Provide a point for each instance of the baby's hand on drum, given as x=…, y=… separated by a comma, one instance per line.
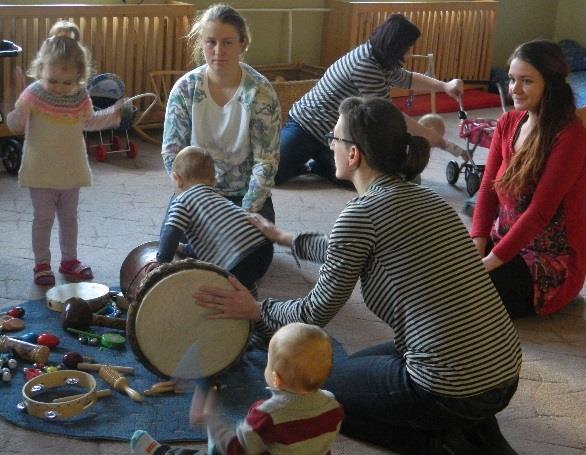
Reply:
x=236, y=303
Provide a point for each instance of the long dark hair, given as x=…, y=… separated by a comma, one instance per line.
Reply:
x=379, y=130
x=392, y=39
x=556, y=109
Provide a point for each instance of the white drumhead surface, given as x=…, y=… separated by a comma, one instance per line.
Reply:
x=174, y=335
x=56, y=296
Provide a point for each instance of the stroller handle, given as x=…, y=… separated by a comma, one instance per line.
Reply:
x=150, y=106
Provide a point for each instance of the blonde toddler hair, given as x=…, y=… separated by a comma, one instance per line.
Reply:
x=435, y=122
x=62, y=47
x=193, y=163
x=302, y=355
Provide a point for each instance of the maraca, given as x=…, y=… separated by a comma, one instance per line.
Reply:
x=75, y=361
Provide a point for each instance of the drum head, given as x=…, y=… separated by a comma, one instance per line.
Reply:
x=95, y=294
x=170, y=333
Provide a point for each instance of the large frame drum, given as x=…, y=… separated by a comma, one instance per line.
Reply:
x=168, y=332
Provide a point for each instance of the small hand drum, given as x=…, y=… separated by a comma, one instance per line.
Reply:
x=96, y=295
x=168, y=332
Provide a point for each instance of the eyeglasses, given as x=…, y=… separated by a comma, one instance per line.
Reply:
x=331, y=138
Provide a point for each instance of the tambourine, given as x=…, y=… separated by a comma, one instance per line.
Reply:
x=96, y=295
x=63, y=407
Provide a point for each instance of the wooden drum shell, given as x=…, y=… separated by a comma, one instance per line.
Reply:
x=167, y=331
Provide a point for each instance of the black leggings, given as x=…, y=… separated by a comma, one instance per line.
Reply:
x=254, y=265
x=514, y=284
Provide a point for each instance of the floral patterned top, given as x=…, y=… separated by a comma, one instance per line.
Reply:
x=547, y=226
x=242, y=136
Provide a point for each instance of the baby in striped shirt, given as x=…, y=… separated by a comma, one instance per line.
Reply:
x=299, y=417
x=215, y=229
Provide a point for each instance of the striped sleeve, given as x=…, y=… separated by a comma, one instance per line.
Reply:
x=348, y=249
x=357, y=73
x=420, y=273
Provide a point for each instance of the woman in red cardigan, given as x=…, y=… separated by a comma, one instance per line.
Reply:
x=530, y=219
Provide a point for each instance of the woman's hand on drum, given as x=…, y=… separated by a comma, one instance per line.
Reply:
x=270, y=231
x=236, y=303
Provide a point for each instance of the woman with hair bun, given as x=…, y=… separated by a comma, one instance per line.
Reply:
x=370, y=69
x=455, y=358
x=530, y=217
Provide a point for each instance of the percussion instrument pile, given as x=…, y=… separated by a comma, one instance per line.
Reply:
x=168, y=332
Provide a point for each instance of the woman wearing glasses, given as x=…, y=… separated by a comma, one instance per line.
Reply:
x=370, y=69
x=455, y=359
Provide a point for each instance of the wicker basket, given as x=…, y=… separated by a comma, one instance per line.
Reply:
x=291, y=81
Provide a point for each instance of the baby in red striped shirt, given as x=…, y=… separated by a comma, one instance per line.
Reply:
x=299, y=417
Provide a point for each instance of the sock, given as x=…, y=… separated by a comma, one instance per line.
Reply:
x=142, y=443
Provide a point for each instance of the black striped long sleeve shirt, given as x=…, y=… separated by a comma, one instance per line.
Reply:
x=420, y=273
x=216, y=229
x=357, y=73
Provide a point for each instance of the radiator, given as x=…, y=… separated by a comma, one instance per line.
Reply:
x=127, y=40
x=459, y=34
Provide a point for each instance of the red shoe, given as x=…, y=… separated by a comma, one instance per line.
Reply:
x=75, y=271
x=43, y=276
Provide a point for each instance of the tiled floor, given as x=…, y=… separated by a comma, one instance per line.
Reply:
x=124, y=208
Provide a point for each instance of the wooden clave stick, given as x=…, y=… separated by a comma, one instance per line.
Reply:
x=119, y=382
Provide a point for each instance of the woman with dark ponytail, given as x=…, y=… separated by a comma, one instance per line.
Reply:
x=530, y=218
x=455, y=358
x=370, y=69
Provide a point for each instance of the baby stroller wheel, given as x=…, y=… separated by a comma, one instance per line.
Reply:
x=132, y=150
x=472, y=182
x=101, y=153
x=452, y=172
x=12, y=155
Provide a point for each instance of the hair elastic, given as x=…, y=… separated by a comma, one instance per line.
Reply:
x=408, y=136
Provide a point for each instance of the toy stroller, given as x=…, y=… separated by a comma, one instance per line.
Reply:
x=477, y=132
x=105, y=90
x=10, y=145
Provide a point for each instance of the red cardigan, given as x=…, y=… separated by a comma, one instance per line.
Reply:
x=548, y=225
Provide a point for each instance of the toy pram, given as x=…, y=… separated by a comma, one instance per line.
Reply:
x=477, y=132
x=105, y=90
x=10, y=145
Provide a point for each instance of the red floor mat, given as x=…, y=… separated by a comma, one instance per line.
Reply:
x=473, y=99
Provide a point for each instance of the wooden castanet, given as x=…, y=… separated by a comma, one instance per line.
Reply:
x=78, y=315
x=119, y=382
x=34, y=353
x=10, y=324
